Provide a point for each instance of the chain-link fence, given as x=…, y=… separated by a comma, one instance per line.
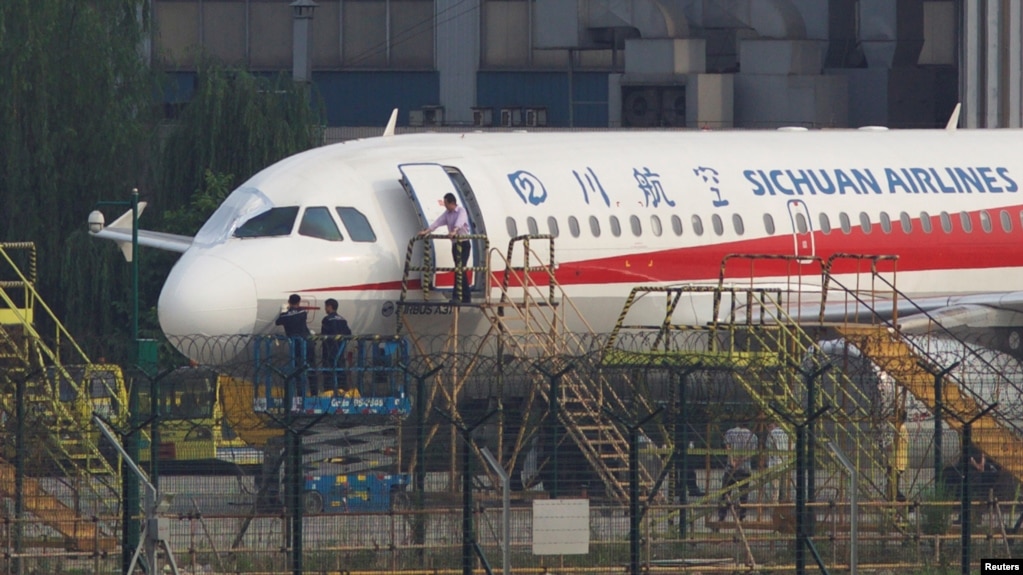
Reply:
x=387, y=454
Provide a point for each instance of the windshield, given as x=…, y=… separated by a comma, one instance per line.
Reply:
x=274, y=222
x=240, y=206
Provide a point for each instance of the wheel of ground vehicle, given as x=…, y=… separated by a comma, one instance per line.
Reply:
x=312, y=502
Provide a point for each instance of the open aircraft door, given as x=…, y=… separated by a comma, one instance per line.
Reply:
x=802, y=231
x=426, y=185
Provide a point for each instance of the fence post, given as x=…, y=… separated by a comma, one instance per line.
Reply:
x=419, y=479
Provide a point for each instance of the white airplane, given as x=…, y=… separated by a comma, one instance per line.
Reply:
x=627, y=209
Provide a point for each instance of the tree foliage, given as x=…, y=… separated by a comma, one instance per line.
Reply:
x=236, y=123
x=75, y=96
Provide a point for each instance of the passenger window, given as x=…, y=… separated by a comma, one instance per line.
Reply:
x=740, y=227
x=616, y=228
x=1006, y=221
x=637, y=229
x=531, y=225
x=825, y=224
x=552, y=225
x=676, y=225
x=985, y=221
x=843, y=220
x=273, y=222
x=719, y=226
x=801, y=223
x=697, y=225
x=946, y=222
x=769, y=224
x=907, y=223
x=595, y=226
x=358, y=226
x=513, y=228
x=865, y=222
x=886, y=223
x=655, y=225
x=317, y=223
x=966, y=221
x=925, y=222
x=573, y=226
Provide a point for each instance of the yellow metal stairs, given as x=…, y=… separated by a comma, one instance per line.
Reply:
x=900, y=361
x=529, y=316
x=58, y=411
x=765, y=350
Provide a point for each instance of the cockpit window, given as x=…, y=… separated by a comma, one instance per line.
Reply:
x=274, y=222
x=317, y=223
x=240, y=206
x=358, y=226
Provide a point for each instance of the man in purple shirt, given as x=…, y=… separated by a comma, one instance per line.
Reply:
x=457, y=221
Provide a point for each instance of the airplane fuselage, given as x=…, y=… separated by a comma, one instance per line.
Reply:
x=628, y=208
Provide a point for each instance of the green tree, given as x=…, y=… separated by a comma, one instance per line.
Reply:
x=75, y=98
x=236, y=123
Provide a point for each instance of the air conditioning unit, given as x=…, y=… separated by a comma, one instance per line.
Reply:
x=673, y=107
x=433, y=115
x=415, y=117
x=536, y=117
x=511, y=117
x=641, y=106
x=482, y=116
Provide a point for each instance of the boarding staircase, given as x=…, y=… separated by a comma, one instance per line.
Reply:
x=527, y=311
x=911, y=367
x=55, y=413
x=766, y=352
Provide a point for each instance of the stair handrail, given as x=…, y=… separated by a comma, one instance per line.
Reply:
x=1002, y=418
x=30, y=288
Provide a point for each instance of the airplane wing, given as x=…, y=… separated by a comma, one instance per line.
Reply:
x=119, y=231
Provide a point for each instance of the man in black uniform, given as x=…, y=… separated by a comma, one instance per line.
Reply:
x=332, y=326
x=293, y=319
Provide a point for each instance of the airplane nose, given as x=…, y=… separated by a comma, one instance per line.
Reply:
x=207, y=296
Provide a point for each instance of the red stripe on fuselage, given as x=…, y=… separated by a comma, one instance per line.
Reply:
x=917, y=251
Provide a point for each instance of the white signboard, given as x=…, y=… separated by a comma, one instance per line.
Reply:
x=561, y=527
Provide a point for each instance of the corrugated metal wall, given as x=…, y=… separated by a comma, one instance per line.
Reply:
x=367, y=98
x=548, y=90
